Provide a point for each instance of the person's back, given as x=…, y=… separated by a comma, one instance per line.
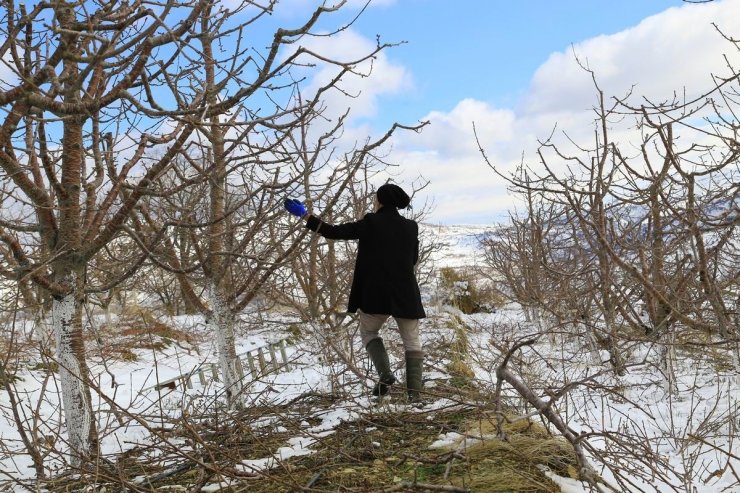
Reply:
x=397, y=239
x=384, y=280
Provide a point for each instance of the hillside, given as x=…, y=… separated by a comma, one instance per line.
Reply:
x=459, y=244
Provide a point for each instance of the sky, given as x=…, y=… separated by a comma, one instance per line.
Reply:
x=509, y=66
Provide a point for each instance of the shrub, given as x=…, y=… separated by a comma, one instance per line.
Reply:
x=458, y=368
x=462, y=292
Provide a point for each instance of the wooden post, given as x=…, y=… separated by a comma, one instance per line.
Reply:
x=283, y=345
x=250, y=360
x=214, y=372
x=202, y=377
x=273, y=358
x=261, y=357
x=239, y=368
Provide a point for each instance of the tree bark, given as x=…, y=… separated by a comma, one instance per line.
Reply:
x=66, y=315
x=222, y=322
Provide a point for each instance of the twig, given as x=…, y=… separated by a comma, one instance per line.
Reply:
x=729, y=454
x=406, y=485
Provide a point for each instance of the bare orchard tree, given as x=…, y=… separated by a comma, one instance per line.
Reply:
x=321, y=270
x=541, y=262
x=248, y=162
x=518, y=253
x=658, y=226
x=85, y=107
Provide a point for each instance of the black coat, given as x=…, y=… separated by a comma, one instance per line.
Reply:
x=384, y=281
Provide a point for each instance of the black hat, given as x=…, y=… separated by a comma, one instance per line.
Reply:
x=393, y=195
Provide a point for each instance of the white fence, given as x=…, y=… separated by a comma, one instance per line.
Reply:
x=271, y=357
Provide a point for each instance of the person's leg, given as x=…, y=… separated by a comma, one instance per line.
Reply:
x=370, y=325
x=409, y=329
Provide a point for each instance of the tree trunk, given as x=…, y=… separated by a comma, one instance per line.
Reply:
x=592, y=345
x=615, y=353
x=537, y=317
x=736, y=360
x=66, y=315
x=221, y=317
x=313, y=279
x=527, y=314
x=667, y=357
x=222, y=322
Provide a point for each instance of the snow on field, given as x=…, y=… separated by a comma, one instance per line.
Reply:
x=460, y=245
x=681, y=428
x=691, y=431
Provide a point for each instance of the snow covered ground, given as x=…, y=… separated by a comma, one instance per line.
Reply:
x=693, y=431
x=460, y=245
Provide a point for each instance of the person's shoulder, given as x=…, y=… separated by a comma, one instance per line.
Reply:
x=369, y=216
x=411, y=224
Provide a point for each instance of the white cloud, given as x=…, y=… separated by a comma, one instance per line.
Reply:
x=371, y=80
x=358, y=91
x=676, y=50
x=495, y=124
x=462, y=187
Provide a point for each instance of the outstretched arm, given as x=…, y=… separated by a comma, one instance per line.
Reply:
x=346, y=231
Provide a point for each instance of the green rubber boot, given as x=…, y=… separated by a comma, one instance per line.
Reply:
x=414, y=382
x=379, y=357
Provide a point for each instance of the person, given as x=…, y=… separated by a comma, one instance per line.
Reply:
x=384, y=282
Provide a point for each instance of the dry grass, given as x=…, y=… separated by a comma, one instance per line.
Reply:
x=384, y=448
x=137, y=329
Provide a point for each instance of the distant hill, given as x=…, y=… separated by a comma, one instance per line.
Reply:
x=460, y=244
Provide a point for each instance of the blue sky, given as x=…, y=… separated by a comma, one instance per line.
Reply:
x=506, y=65
x=486, y=49
x=509, y=66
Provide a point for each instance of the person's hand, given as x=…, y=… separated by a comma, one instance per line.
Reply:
x=295, y=207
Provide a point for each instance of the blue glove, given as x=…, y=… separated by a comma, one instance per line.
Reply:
x=295, y=207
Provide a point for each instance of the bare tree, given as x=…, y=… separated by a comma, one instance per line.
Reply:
x=641, y=221
x=86, y=106
x=229, y=236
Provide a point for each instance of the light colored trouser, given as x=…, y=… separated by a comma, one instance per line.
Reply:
x=370, y=324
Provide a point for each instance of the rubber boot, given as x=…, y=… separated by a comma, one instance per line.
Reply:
x=379, y=357
x=414, y=383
